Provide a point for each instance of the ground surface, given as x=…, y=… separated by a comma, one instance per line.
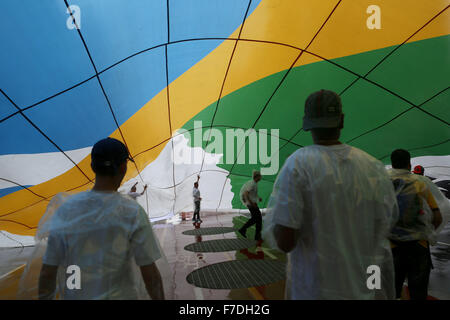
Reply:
x=183, y=262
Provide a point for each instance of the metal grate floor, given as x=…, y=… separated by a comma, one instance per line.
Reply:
x=238, y=274
x=208, y=231
x=221, y=245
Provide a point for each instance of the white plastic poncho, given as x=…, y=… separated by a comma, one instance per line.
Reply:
x=107, y=235
x=421, y=228
x=342, y=203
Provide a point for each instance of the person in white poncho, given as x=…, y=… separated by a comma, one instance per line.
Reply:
x=331, y=209
x=416, y=229
x=104, y=234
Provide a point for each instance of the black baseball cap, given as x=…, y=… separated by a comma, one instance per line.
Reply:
x=323, y=109
x=110, y=151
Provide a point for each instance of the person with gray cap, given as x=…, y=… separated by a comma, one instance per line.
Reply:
x=331, y=210
x=105, y=234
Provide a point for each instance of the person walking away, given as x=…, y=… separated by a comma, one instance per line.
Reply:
x=331, y=210
x=249, y=197
x=419, y=217
x=107, y=236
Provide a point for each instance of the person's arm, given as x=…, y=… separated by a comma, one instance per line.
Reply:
x=286, y=237
x=146, y=250
x=285, y=210
x=153, y=281
x=247, y=198
x=47, y=282
x=437, y=218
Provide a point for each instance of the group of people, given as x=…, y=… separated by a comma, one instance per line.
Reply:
x=341, y=215
x=334, y=209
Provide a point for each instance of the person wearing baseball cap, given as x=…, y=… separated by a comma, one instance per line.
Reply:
x=109, y=157
x=417, y=228
x=419, y=170
x=331, y=209
x=107, y=235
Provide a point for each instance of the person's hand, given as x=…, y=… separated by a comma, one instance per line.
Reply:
x=200, y=199
x=145, y=187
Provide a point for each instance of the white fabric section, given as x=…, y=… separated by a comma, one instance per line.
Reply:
x=106, y=235
x=342, y=204
x=10, y=240
x=435, y=166
x=32, y=169
x=159, y=178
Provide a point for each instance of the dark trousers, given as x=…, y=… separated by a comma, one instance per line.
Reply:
x=255, y=219
x=412, y=261
x=196, y=211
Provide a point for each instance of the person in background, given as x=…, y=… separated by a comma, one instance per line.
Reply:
x=415, y=229
x=103, y=233
x=133, y=194
x=197, y=199
x=249, y=197
x=419, y=170
x=331, y=210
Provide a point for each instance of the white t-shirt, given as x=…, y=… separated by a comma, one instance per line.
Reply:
x=252, y=188
x=342, y=202
x=103, y=233
x=196, y=194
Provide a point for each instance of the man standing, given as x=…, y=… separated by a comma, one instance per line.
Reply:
x=197, y=199
x=133, y=194
x=249, y=197
x=331, y=209
x=415, y=229
x=104, y=234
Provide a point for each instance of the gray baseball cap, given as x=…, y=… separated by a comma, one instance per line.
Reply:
x=323, y=109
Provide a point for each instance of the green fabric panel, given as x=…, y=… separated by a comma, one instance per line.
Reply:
x=417, y=70
x=376, y=120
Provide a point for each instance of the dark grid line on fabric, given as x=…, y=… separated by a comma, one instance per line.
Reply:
x=275, y=91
